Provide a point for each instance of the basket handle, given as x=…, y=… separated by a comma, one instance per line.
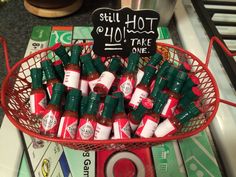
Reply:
x=226, y=50
x=5, y=51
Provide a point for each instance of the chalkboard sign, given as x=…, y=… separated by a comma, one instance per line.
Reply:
x=120, y=32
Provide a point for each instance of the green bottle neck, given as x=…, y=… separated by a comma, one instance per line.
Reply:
x=139, y=112
x=99, y=65
x=56, y=99
x=75, y=54
x=72, y=104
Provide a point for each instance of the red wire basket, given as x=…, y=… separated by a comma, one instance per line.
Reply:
x=16, y=90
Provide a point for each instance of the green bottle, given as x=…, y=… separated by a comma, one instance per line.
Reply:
x=60, y=51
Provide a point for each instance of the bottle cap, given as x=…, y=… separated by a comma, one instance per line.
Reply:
x=163, y=69
x=58, y=66
x=83, y=105
x=190, y=96
x=87, y=61
x=58, y=87
x=60, y=51
x=58, y=90
x=146, y=104
x=73, y=99
x=160, y=102
x=93, y=102
x=191, y=81
x=191, y=111
x=99, y=65
x=48, y=69
x=120, y=105
x=155, y=59
x=170, y=75
x=36, y=75
x=178, y=82
x=149, y=72
x=114, y=65
x=75, y=54
x=159, y=86
x=185, y=67
x=109, y=106
x=133, y=60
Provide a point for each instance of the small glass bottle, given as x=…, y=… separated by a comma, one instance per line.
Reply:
x=60, y=51
x=128, y=79
x=151, y=119
x=38, y=96
x=83, y=84
x=87, y=123
x=72, y=69
x=191, y=81
x=58, y=66
x=154, y=60
x=135, y=116
x=69, y=119
x=173, y=124
x=107, y=78
x=121, y=126
x=50, y=75
x=142, y=90
x=193, y=94
x=105, y=122
x=99, y=65
x=174, y=95
x=52, y=115
x=93, y=75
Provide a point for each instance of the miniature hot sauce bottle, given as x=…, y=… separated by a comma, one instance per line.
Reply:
x=121, y=126
x=72, y=69
x=38, y=96
x=99, y=65
x=136, y=115
x=142, y=90
x=93, y=75
x=69, y=120
x=193, y=94
x=173, y=124
x=87, y=123
x=105, y=122
x=58, y=66
x=191, y=81
x=50, y=75
x=83, y=84
x=128, y=79
x=174, y=95
x=60, y=51
x=151, y=119
x=52, y=115
x=162, y=70
x=154, y=60
x=107, y=78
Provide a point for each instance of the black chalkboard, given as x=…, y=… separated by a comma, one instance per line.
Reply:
x=120, y=32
